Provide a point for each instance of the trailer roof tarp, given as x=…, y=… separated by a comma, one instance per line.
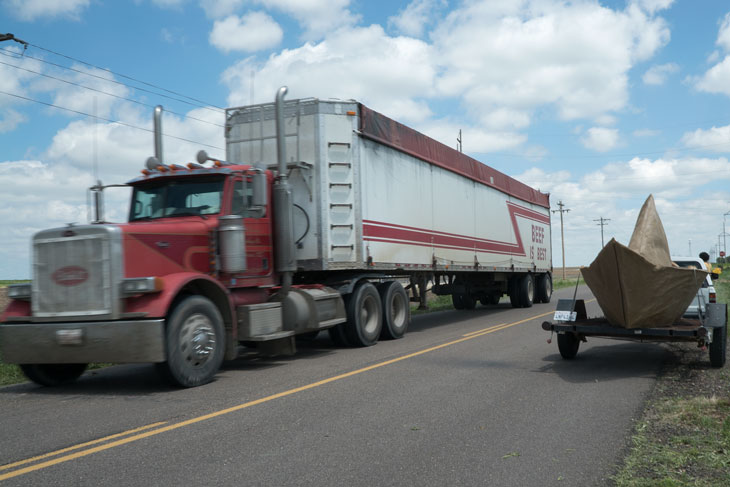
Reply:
x=378, y=127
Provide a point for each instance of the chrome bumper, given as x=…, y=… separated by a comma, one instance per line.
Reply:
x=83, y=342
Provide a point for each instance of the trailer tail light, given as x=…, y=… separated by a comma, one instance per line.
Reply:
x=713, y=297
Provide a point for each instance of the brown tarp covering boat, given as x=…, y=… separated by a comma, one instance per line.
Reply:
x=638, y=286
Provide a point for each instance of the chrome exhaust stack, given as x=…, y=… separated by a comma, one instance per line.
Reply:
x=283, y=206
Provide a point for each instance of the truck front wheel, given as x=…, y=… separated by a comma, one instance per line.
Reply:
x=195, y=342
x=53, y=374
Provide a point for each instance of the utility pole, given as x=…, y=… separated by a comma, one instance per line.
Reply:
x=724, y=235
x=562, y=239
x=458, y=142
x=602, y=223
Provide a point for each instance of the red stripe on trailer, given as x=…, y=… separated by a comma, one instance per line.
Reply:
x=376, y=231
x=378, y=127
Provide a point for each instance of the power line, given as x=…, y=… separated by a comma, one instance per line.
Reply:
x=108, y=120
x=14, y=55
x=107, y=93
x=123, y=76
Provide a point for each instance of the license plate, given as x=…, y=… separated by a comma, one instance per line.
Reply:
x=564, y=316
x=69, y=337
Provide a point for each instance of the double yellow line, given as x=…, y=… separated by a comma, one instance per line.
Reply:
x=154, y=429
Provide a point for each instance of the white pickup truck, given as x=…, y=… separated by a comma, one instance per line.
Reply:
x=706, y=293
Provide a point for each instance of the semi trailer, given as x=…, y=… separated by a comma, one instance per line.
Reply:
x=325, y=215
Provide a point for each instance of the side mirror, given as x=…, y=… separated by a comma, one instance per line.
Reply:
x=714, y=276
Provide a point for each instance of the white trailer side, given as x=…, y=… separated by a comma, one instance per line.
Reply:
x=370, y=204
x=372, y=195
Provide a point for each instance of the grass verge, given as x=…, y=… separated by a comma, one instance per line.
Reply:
x=683, y=438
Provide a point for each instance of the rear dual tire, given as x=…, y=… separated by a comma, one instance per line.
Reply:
x=522, y=291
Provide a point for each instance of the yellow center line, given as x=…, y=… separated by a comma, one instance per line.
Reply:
x=80, y=445
x=480, y=331
x=222, y=412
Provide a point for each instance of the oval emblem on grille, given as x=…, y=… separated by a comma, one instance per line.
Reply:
x=72, y=275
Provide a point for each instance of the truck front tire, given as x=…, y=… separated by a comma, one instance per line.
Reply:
x=194, y=341
x=52, y=375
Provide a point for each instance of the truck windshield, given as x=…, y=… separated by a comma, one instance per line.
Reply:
x=176, y=197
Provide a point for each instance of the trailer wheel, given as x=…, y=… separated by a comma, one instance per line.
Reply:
x=568, y=345
x=543, y=288
x=514, y=291
x=396, y=309
x=526, y=291
x=457, y=300
x=195, y=343
x=718, y=347
x=364, y=316
x=491, y=299
x=469, y=301
x=52, y=375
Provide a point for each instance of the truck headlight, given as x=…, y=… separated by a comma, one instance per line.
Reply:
x=19, y=291
x=141, y=285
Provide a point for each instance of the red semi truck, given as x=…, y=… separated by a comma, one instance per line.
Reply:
x=260, y=248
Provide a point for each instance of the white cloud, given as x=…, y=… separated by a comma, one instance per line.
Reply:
x=617, y=191
x=388, y=74
x=317, y=17
x=717, y=78
x=535, y=53
x=475, y=140
x=600, y=139
x=29, y=10
x=9, y=119
x=657, y=74
x=415, y=16
x=221, y=8
x=653, y=6
x=723, y=37
x=716, y=139
x=252, y=32
x=82, y=99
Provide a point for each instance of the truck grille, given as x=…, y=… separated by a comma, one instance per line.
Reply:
x=78, y=275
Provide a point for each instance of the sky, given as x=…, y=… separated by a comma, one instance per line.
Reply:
x=599, y=103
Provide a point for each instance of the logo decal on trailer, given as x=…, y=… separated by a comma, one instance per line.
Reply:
x=72, y=275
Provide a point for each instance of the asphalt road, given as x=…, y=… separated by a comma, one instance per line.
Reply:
x=466, y=398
